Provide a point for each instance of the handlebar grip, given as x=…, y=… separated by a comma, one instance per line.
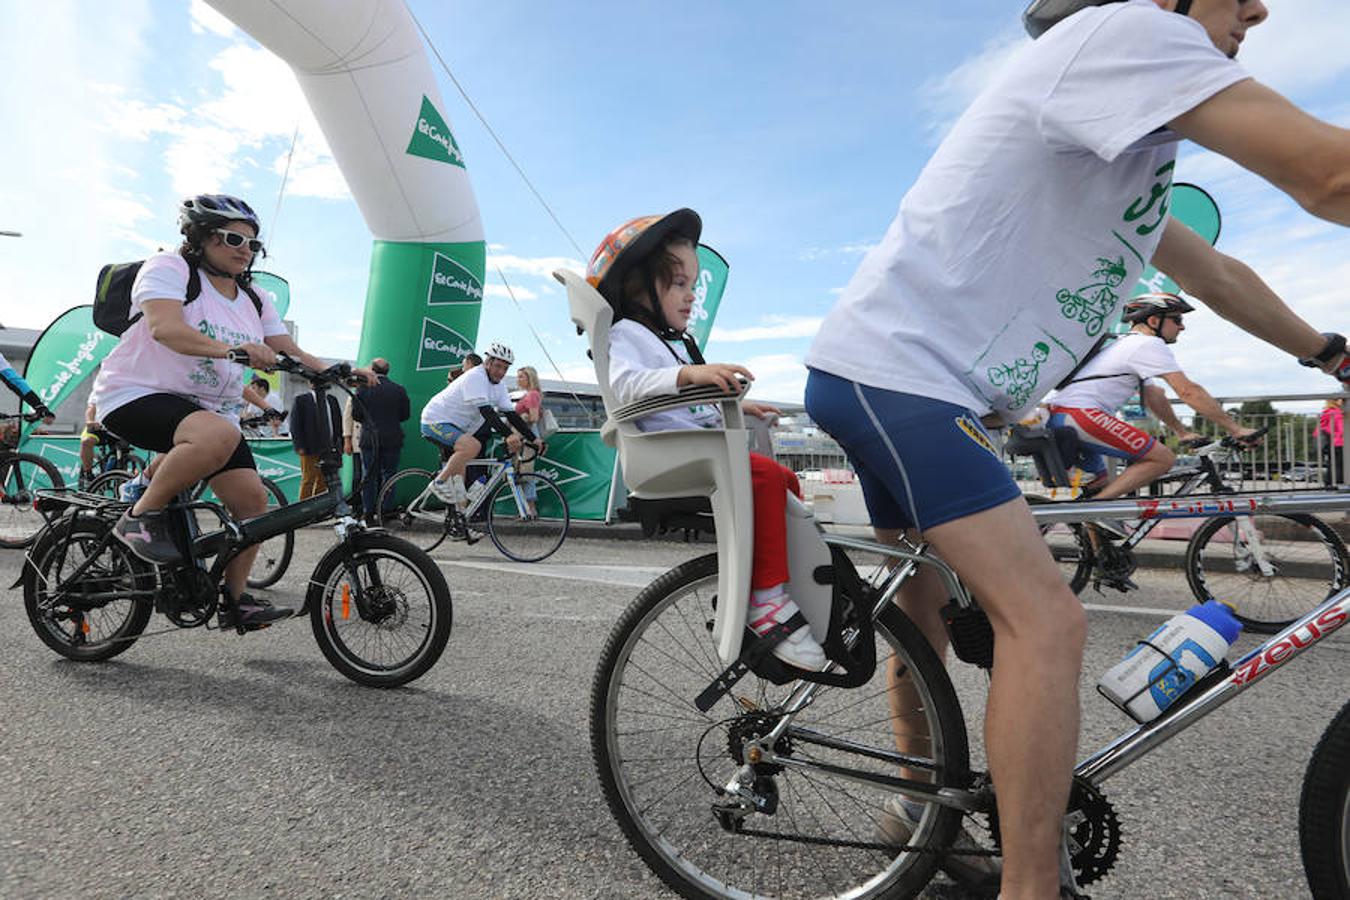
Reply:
x=235, y=355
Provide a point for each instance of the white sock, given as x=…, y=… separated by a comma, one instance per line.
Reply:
x=457, y=485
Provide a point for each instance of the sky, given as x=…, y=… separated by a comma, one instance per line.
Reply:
x=794, y=129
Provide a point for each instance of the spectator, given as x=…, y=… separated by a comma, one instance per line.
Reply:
x=90, y=438
x=1331, y=440
x=351, y=445
x=470, y=361
x=272, y=401
x=381, y=409
x=530, y=406
x=307, y=439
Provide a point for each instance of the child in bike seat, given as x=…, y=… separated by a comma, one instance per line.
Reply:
x=646, y=269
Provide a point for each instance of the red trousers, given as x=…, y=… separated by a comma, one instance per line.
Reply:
x=771, y=483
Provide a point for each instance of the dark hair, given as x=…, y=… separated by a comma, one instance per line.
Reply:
x=474, y=358
x=193, y=250
x=380, y=367
x=258, y=379
x=658, y=269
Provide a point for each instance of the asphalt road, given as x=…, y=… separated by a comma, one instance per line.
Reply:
x=208, y=765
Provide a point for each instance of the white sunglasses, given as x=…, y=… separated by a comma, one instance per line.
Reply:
x=235, y=239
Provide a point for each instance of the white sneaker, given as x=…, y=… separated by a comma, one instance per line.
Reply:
x=982, y=873
x=444, y=491
x=771, y=606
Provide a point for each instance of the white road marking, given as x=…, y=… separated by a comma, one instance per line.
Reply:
x=1138, y=610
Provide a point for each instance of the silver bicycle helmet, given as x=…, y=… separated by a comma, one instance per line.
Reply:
x=498, y=350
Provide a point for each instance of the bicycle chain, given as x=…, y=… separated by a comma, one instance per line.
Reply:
x=1095, y=836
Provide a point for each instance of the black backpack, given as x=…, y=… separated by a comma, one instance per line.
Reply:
x=112, y=295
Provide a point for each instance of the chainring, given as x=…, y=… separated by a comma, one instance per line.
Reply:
x=190, y=599
x=1094, y=832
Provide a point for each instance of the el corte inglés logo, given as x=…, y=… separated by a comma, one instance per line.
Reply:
x=432, y=138
x=452, y=283
x=441, y=346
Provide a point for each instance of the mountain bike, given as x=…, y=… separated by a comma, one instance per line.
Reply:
x=1262, y=565
x=379, y=608
x=21, y=476
x=776, y=789
x=501, y=507
x=274, y=554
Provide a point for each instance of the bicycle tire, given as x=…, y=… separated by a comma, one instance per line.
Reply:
x=107, y=484
x=1076, y=557
x=1223, y=569
x=528, y=540
x=133, y=463
x=274, y=554
x=68, y=628
x=1324, y=813
x=339, y=625
x=660, y=654
x=424, y=524
x=20, y=475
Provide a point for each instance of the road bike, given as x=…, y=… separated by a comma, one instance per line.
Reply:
x=379, y=608
x=775, y=788
x=21, y=476
x=274, y=554
x=524, y=513
x=1270, y=568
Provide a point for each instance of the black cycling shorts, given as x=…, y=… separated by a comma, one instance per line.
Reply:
x=150, y=422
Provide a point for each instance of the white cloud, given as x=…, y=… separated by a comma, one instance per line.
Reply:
x=779, y=377
x=814, y=254
x=500, y=290
x=205, y=19
x=537, y=266
x=1302, y=44
x=774, y=328
x=944, y=99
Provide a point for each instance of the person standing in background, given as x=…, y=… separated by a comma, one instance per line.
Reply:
x=381, y=409
x=351, y=446
x=307, y=438
x=530, y=407
x=1331, y=440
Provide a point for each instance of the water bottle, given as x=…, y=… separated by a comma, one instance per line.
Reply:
x=476, y=490
x=1169, y=661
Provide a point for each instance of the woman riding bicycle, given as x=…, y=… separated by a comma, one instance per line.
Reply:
x=169, y=387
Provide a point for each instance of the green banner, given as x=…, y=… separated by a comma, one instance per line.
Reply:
x=708, y=290
x=280, y=288
x=422, y=309
x=65, y=355
x=1193, y=207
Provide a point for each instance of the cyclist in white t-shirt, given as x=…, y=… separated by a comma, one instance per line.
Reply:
x=1088, y=403
x=1019, y=239
x=168, y=385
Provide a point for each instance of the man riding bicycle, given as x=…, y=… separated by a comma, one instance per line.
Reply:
x=14, y=381
x=973, y=306
x=1087, y=404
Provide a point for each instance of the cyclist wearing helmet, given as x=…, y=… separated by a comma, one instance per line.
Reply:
x=646, y=269
x=1019, y=239
x=475, y=400
x=1088, y=403
x=167, y=386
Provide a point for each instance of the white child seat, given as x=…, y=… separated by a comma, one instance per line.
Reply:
x=699, y=462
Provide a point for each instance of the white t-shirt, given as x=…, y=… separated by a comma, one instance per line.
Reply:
x=1033, y=220
x=273, y=400
x=458, y=403
x=139, y=365
x=1129, y=361
x=641, y=364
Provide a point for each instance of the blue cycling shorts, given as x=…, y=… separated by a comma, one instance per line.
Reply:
x=921, y=462
x=443, y=433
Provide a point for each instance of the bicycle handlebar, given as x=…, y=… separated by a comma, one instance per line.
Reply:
x=336, y=374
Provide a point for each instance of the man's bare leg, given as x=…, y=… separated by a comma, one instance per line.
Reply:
x=1154, y=464
x=1031, y=723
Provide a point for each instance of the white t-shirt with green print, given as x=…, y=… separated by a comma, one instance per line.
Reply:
x=1034, y=219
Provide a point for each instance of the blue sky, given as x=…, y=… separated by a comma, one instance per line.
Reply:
x=794, y=128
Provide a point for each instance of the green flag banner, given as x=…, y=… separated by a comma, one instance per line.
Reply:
x=1193, y=207
x=280, y=288
x=708, y=290
x=65, y=354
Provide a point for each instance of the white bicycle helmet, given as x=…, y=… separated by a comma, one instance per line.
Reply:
x=498, y=350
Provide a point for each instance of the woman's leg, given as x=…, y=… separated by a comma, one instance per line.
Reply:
x=242, y=493
x=202, y=443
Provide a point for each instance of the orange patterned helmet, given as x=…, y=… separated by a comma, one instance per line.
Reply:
x=633, y=241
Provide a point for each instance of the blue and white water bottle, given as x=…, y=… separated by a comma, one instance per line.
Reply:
x=1169, y=661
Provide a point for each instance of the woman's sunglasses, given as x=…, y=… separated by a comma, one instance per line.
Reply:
x=235, y=239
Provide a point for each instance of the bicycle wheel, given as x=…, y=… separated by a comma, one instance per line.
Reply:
x=21, y=475
x=662, y=764
x=1070, y=546
x=1324, y=813
x=274, y=554
x=104, y=608
x=380, y=610
x=408, y=509
x=133, y=463
x=107, y=484
x=1271, y=568
x=523, y=536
